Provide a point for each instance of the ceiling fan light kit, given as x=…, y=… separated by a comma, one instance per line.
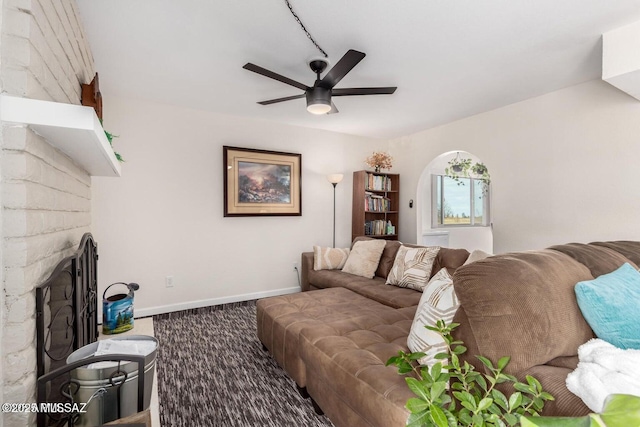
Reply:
x=318, y=100
x=319, y=95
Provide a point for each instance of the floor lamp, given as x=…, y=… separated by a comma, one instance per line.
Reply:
x=334, y=179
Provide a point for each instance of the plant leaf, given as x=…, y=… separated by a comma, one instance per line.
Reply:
x=500, y=399
x=417, y=355
x=418, y=419
x=521, y=387
x=621, y=410
x=503, y=362
x=486, y=362
x=485, y=403
x=515, y=400
x=511, y=419
x=417, y=388
x=621, y=403
x=437, y=389
x=478, y=421
x=481, y=382
x=555, y=422
x=415, y=405
x=436, y=369
x=534, y=383
x=438, y=417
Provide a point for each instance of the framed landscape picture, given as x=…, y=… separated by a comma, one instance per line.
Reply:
x=261, y=183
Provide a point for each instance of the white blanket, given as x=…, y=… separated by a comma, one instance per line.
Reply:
x=604, y=369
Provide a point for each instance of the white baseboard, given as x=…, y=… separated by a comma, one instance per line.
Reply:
x=151, y=311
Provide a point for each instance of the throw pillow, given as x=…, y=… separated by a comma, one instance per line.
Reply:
x=610, y=304
x=438, y=302
x=412, y=267
x=329, y=258
x=364, y=258
x=477, y=255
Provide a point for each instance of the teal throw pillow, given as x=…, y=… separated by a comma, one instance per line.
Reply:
x=611, y=306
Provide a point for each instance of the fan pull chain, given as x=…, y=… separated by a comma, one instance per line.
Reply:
x=305, y=30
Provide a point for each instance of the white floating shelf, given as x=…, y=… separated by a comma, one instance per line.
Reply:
x=73, y=129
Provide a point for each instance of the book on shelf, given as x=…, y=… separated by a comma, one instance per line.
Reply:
x=379, y=228
x=376, y=203
x=378, y=182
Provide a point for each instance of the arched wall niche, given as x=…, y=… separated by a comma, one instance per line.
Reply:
x=467, y=237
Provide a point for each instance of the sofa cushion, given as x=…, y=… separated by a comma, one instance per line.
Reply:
x=438, y=302
x=346, y=359
x=412, y=267
x=523, y=305
x=338, y=279
x=392, y=296
x=565, y=403
x=374, y=289
x=610, y=304
x=598, y=259
x=388, y=255
x=280, y=320
x=629, y=249
x=450, y=259
x=329, y=258
x=364, y=258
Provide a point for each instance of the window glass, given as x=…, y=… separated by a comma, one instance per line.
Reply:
x=461, y=201
x=479, y=201
x=457, y=193
x=439, y=198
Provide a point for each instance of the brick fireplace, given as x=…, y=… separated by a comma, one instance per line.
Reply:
x=45, y=196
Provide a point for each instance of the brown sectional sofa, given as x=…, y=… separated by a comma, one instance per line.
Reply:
x=335, y=340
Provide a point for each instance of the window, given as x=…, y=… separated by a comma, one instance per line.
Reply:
x=459, y=202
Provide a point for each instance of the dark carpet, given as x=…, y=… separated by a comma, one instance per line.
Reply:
x=212, y=371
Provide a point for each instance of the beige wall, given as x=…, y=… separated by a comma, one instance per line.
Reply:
x=562, y=166
x=45, y=196
x=164, y=216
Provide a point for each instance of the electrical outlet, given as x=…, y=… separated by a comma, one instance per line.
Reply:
x=296, y=266
x=169, y=281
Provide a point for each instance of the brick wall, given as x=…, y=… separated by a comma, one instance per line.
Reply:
x=45, y=197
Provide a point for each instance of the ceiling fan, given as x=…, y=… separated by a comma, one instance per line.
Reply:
x=319, y=95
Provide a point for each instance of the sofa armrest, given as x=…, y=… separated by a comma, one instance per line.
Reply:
x=306, y=265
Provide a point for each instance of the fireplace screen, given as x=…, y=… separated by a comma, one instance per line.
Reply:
x=66, y=319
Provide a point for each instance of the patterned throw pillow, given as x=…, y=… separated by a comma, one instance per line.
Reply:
x=364, y=258
x=329, y=258
x=438, y=302
x=412, y=267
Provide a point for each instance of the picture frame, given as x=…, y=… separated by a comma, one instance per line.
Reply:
x=261, y=182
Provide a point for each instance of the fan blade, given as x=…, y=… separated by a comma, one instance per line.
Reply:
x=364, y=91
x=287, y=98
x=346, y=63
x=263, y=71
x=333, y=110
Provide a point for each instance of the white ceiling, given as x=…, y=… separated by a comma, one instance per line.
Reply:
x=449, y=58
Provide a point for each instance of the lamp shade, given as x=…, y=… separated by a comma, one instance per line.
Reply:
x=335, y=178
x=318, y=100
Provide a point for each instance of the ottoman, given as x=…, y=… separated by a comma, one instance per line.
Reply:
x=281, y=319
x=346, y=373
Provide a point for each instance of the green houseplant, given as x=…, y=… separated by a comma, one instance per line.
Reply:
x=459, y=168
x=110, y=137
x=473, y=399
